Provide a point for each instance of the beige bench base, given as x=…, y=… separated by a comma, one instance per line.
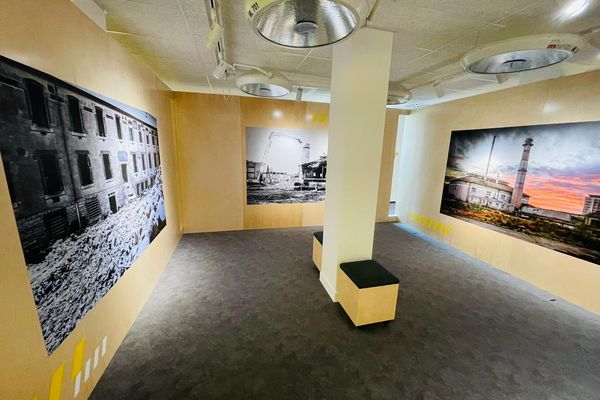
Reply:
x=369, y=305
x=317, y=253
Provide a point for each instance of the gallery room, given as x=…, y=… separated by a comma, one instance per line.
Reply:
x=300, y=199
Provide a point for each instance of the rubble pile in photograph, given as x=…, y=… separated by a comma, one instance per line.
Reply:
x=80, y=269
x=85, y=181
x=281, y=168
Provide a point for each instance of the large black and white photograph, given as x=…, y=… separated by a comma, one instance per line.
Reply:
x=285, y=166
x=84, y=177
x=537, y=183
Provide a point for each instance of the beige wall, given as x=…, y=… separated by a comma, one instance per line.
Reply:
x=55, y=37
x=211, y=132
x=423, y=164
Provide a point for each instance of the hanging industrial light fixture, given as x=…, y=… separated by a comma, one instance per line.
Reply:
x=263, y=83
x=522, y=53
x=306, y=23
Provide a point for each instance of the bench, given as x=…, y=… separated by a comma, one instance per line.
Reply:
x=367, y=292
x=317, y=249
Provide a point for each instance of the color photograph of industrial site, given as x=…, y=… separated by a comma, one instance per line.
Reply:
x=536, y=183
x=285, y=166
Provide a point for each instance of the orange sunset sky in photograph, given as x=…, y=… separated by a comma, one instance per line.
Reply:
x=563, y=168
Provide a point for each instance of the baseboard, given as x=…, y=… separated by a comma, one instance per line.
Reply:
x=329, y=288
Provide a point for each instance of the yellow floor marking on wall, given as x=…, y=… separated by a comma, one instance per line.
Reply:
x=447, y=231
x=78, y=358
x=56, y=384
x=324, y=118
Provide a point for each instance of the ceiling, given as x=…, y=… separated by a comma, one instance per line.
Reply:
x=430, y=37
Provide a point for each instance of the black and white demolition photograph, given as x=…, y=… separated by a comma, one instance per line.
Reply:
x=84, y=177
x=285, y=166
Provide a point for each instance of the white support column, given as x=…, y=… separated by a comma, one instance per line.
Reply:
x=359, y=84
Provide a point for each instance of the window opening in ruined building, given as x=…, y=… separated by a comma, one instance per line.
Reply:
x=107, y=169
x=75, y=114
x=124, y=173
x=130, y=132
x=112, y=201
x=135, y=165
x=143, y=161
x=100, y=121
x=119, y=128
x=57, y=224
x=9, y=180
x=149, y=161
x=85, y=169
x=92, y=206
x=37, y=103
x=50, y=173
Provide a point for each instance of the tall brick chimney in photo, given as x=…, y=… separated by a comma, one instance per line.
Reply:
x=517, y=195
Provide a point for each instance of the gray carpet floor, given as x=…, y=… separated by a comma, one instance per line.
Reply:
x=242, y=315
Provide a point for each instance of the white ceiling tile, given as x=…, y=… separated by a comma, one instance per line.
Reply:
x=143, y=19
x=157, y=47
x=284, y=61
x=316, y=66
x=193, y=6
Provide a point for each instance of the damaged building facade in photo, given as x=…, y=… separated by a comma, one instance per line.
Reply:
x=536, y=183
x=285, y=166
x=84, y=178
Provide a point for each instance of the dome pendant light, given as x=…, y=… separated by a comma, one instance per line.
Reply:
x=522, y=54
x=257, y=83
x=306, y=23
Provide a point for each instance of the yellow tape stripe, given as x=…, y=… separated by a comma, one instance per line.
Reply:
x=56, y=384
x=78, y=358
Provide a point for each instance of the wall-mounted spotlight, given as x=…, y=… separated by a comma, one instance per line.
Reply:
x=439, y=90
x=215, y=34
x=221, y=70
x=216, y=31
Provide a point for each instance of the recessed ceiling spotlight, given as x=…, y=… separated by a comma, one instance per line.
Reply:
x=522, y=54
x=575, y=7
x=256, y=83
x=278, y=114
x=303, y=24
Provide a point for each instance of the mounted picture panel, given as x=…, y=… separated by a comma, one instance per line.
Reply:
x=83, y=212
x=285, y=166
x=537, y=183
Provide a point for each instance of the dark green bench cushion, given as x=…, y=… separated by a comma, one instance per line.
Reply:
x=319, y=236
x=368, y=273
